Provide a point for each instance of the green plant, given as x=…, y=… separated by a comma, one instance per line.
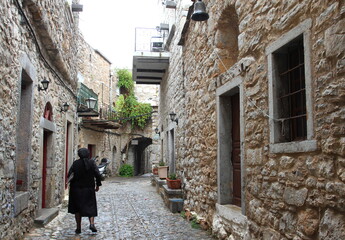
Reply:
x=183, y=214
x=126, y=170
x=161, y=163
x=125, y=79
x=127, y=106
x=172, y=176
x=194, y=223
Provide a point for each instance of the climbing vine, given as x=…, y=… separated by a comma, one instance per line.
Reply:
x=127, y=106
x=125, y=79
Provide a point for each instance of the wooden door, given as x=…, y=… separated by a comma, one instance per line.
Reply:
x=236, y=149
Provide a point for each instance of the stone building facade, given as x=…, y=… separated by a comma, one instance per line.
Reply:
x=259, y=93
x=112, y=140
x=37, y=138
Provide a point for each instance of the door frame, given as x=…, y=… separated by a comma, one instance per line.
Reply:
x=224, y=166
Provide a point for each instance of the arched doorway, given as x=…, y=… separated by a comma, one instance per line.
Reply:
x=136, y=154
x=47, y=155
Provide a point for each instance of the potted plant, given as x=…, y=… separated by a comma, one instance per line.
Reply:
x=162, y=170
x=173, y=182
x=155, y=169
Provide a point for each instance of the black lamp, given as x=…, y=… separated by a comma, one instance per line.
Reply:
x=157, y=131
x=64, y=107
x=45, y=84
x=173, y=117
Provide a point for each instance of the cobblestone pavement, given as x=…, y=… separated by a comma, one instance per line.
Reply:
x=128, y=208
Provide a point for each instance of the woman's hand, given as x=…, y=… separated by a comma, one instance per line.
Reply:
x=97, y=188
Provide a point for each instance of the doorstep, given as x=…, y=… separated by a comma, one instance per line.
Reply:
x=45, y=215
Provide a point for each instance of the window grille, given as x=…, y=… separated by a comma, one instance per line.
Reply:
x=292, y=96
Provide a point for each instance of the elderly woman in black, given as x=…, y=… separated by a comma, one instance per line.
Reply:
x=82, y=194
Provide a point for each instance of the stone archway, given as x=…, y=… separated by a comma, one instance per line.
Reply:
x=135, y=151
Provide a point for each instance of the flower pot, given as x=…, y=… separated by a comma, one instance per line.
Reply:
x=155, y=171
x=163, y=172
x=174, y=184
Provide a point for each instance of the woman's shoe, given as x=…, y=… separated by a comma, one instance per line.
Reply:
x=93, y=228
x=78, y=231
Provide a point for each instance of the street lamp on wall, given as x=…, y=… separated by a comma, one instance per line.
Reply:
x=64, y=107
x=157, y=131
x=157, y=135
x=91, y=102
x=45, y=84
x=173, y=117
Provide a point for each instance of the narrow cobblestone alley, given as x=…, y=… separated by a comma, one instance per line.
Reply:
x=128, y=208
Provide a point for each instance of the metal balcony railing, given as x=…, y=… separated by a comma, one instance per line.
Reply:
x=84, y=93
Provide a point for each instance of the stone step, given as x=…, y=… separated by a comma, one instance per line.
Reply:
x=175, y=205
x=45, y=215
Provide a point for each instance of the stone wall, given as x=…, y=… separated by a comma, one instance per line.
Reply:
x=35, y=44
x=286, y=195
x=94, y=72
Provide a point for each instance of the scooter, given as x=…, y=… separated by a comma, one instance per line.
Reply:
x=103, y=167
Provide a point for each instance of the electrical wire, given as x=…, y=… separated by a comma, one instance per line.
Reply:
x=250, y=100
x=40, y=51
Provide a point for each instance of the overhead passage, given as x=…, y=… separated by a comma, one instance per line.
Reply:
x=150, y=67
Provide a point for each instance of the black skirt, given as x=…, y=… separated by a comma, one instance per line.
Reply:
x=83, y=201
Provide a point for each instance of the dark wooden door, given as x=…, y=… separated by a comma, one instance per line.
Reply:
x=89, y=146
x=44, y=168
x=236, y=149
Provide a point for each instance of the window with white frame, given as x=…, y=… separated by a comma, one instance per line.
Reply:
x=291, y=115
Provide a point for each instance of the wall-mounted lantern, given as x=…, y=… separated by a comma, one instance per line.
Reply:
x=64, y=107
x=157, y=135
x=173, y=117
x=45, y=84
x=91, y=103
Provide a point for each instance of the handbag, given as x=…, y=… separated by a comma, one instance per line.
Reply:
x=70, y=177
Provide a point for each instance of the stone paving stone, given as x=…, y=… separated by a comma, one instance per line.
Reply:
x=128, y=209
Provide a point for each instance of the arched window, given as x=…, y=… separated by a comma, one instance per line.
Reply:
x=226, y=38
x=48, y=112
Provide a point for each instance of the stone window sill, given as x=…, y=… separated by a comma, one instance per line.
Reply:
x=294, y=147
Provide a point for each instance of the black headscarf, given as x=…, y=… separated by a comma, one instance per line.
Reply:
x=84, y=154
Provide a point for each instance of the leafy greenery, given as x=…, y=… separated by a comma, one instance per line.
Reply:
x=126, y=170
x=172, y=176
x=194, y=223
x=125, y=79
x=127, y=106
x=161, y=163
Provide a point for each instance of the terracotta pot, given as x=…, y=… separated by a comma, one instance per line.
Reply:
x=174, y=184
x=163, y=172
x=155, y=171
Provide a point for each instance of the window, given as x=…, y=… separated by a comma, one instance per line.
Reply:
x=290, y=95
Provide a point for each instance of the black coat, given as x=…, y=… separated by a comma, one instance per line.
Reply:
x=82, y=196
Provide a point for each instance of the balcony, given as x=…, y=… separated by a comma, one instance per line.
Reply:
x=85, y=93
x=150, y=60
x=94, y=117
